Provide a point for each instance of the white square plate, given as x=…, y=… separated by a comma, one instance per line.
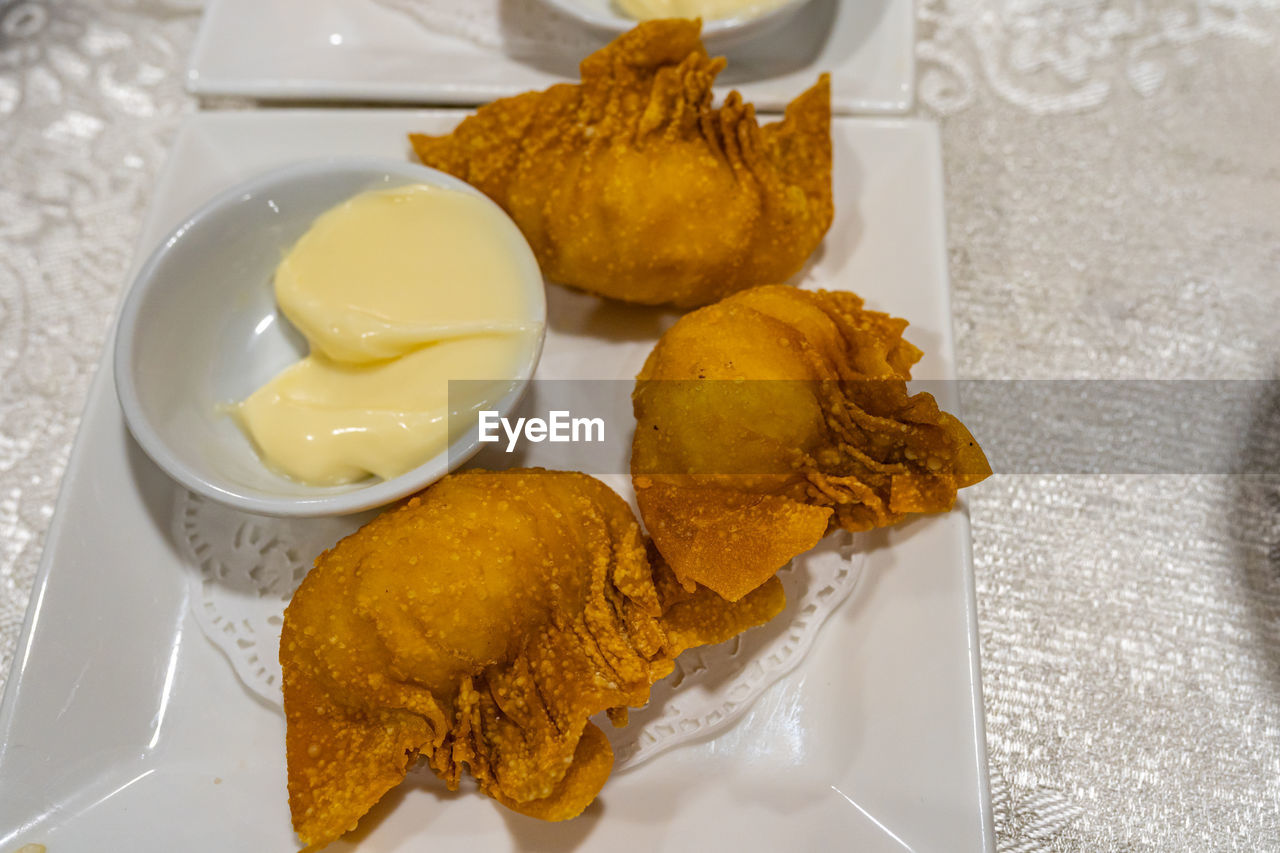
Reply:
x=365, y=50
x=124, y=728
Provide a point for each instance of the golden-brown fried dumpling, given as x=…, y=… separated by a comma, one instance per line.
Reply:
x=632, y=185
x=775, y=414
x=482, y=623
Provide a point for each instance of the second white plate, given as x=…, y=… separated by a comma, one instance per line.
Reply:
x=429, y=52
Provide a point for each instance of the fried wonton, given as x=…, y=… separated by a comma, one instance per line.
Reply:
x=775, y=415
x=632, y=185
x=482, y=624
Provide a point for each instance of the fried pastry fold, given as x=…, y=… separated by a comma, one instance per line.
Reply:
x=775, y=415
x=632, y=185
x=480, y=625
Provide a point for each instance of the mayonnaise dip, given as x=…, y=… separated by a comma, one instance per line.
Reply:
x=397, y=291
x=645, y=10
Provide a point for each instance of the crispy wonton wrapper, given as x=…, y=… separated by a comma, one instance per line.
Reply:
x=482, y=624
x=632, y=185
x=776, y=414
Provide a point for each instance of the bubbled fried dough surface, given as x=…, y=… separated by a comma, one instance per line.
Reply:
x=767, y=418
x=633, y=185
x=480, y=625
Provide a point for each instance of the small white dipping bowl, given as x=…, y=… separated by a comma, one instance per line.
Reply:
x=200, y=329
x=717, y=33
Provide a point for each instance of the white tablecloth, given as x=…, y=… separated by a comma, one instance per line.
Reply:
x=1113, y=196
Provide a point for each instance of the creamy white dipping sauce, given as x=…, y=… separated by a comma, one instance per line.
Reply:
x=644, y=10
x=397, y=291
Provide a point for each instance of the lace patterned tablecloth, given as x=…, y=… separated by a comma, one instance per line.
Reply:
x=1114, y=209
